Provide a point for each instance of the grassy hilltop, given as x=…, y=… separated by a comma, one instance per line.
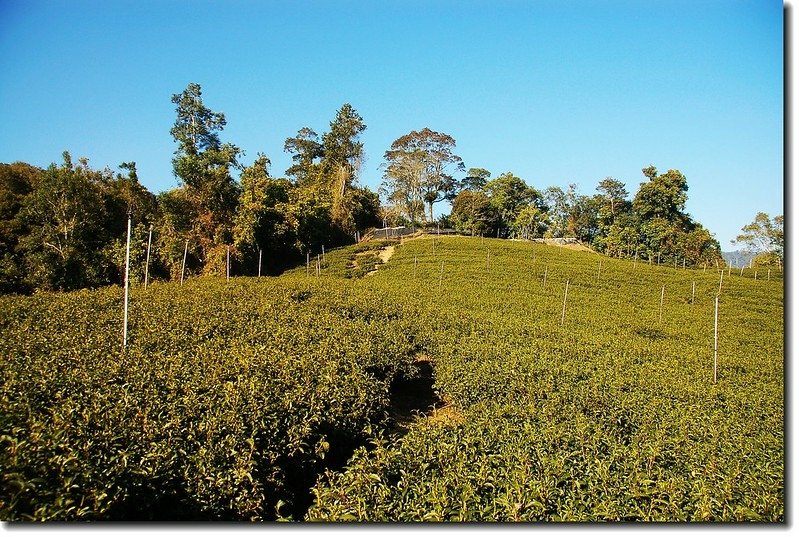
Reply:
x=449, y=384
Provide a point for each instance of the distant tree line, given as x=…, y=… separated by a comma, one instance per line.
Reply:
x=64, y=227
x=654, y=225
x=764, y=238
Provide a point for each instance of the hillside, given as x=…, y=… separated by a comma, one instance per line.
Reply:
x=531, y=402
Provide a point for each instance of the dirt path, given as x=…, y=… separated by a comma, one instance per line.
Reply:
x=386, y=253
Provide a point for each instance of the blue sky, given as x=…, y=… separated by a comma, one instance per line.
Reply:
x=556, y=92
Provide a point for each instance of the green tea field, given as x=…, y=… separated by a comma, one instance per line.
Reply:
x=463, y=379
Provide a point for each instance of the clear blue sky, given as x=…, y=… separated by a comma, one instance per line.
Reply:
x=554, y=91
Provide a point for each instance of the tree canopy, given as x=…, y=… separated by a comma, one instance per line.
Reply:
x=765, y=237
x=64, y=227
x=418, y=171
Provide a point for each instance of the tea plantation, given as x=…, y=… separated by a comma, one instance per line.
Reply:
x=568, y=387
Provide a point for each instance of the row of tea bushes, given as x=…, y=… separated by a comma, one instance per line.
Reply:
x=610, y=414
x=229, y=400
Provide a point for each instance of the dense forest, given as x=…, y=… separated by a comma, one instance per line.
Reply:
x=64, y=227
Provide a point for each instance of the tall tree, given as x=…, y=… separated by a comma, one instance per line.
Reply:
x=402, y=184
x=573, y=214
x=622, y=237
x=584, y=221
x=697, y=245
x=264, y=226
x=343, y=152
x=340, y=166
x=64, y=217
x=558, y=207
x=663, y=196
x=419, y=165
x=203, y=164
x=508, y=195
x=306, y=151
x=763, y=235
x=614, y=192
x=531, y=222
x=475, y=180
x=472, y=213
x=328, y=204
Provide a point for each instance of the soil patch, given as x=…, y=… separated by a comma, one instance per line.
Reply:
x=570, y=244
x=415, y=397
x=384, y=254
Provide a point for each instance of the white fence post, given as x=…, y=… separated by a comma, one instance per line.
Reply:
x=127, y=285
x=147, y=261
x=563, y=313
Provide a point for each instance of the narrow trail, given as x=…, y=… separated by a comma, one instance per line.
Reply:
x=386, y=253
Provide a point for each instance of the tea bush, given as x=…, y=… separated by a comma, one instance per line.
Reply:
x=267, y=398
x=612, y=415
x=229, y=400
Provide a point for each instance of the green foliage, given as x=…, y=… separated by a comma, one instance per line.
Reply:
x=315, y=227
x=508, y=195
x=764, y=235
x=65, y=220
x=327, y=206
x=531, y=222
x=216, y=411
x=342, y=151
x=234, y=398
x=417, y=172
x=622, y=237
x=65, y=227
x=203, y=164
x=664, y=196
x=306, y=151
x=611, y=416
x=264, y=224
x=363, y=208
x=475, y=180
x=654, y=226
x=613, y=193
x=16, y=182
x=472, y=213
x=174, y=232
